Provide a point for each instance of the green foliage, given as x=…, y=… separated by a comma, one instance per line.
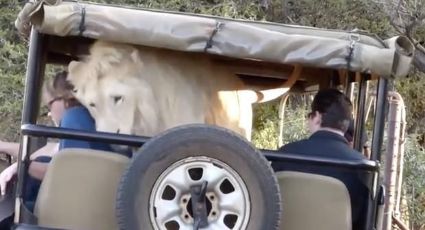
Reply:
x=12, y=70
x=411, y=90
x=227, y=8
x=338, y=14
x=294, y=124
x=266, y=126
x=266, y=122
x=414, y=181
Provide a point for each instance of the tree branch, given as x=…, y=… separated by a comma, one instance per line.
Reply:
x=265, y=4
x=411, y=27
x=400, y=223
x=419, y=59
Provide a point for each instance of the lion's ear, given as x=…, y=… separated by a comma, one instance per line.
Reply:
x=73, y=70
x=106, y=57
x=73, y=66
x=108, y=53
x=79, y=73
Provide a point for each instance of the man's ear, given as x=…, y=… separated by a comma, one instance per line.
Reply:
x=317, y=118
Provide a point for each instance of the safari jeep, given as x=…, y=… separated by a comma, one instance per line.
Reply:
x=200, y=176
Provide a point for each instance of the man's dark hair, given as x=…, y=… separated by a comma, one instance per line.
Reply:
x=335, y=108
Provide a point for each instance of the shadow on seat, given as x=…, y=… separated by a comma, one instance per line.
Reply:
x=313, y=201
x=79, y=190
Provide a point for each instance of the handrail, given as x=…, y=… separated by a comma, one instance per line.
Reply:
x=55, y=132
x=123, y=139
x=322, y=161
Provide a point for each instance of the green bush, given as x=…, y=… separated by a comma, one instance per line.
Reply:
x=266, y=122
x=12, y=70
x=411, y=90
x=414, y=181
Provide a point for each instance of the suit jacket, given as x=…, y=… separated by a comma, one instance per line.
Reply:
x=326, y=144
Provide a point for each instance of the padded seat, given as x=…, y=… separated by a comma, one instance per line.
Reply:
x=313, y=201
x=79, y=190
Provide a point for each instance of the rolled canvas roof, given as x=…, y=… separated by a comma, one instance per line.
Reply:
x=261, y=41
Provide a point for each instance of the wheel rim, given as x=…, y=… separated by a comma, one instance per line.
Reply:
x=227, y=197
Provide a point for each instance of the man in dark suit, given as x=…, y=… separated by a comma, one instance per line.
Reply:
x=328, y=120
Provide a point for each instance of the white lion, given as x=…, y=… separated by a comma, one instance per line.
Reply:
x=143, y=91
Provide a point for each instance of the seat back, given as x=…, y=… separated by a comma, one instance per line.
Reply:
x=79, y=190
x=313, y=201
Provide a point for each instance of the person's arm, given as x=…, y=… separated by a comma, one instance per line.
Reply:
x=38, y=169
x=48, y=150
x=6, y=175
x=10, y=148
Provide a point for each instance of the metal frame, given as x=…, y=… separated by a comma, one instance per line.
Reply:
x=363, y=165
x=34, y=76
x=361, y=112
x=36, y=62
x=379, y=121
x=381, y=105
x=29, y=129
x=55, y=132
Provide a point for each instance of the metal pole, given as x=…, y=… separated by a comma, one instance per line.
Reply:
x=377, y=138
x=349, y=85
x=34, y=76
x=361, y=102
x=391, y=163
x=282, y=107
x=34, y=79
x=379, y=121
x=369, y=105
x=349, y=90
x=396, y=97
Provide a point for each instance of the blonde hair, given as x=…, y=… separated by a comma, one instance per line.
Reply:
x=59, y=87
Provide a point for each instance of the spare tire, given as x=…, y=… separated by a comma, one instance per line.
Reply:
x=198, y=175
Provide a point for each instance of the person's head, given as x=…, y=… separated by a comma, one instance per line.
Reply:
x=330, y=109
x=57, y=96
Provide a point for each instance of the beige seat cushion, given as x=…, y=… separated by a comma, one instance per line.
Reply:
x=313, y=202
x=79, y=190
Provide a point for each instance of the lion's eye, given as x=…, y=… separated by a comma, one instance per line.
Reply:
x=117, y=99
x=74, y=90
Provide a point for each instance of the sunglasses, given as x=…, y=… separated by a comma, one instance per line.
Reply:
x=48, y=106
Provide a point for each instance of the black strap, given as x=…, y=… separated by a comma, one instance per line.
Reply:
x=82, y=26
x=218, y=26
x=354, y=38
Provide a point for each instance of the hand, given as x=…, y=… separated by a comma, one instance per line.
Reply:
x=6, y=176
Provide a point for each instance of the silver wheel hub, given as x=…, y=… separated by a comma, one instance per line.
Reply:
x=226, y=198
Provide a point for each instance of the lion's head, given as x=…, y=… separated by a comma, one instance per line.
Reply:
x=108, y=83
